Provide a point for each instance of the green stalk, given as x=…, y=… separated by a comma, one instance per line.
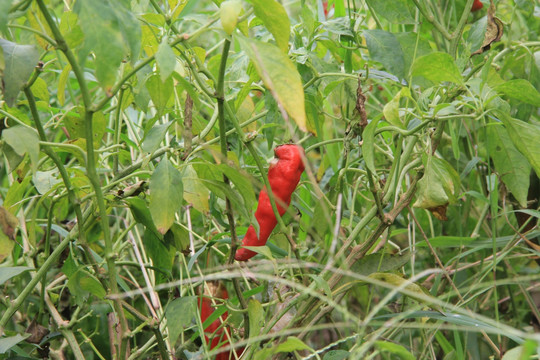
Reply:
x=92, y=174
x=220, y=95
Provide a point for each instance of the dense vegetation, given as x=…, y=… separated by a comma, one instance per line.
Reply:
x=136, y=137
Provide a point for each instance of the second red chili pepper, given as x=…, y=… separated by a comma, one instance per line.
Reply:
x=477, y=5
x=283, y=176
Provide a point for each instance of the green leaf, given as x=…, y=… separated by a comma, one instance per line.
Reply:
x=437, y=187
x=62, y=81
x=91, y=284
x=195, y=193
x=279, y=75
x=397, y=281
x=391, y=109
x=141, y=213
x=165, y=59
x=275, y=19
x=380, y=262
x=394, y=348
x=447, y=242
x=437, y=67
x=7, y=343
x=160, y=92
x=520, y=89
x=7, y=273
x=44, y=181
x=523, y=135
x=154, y=137
x=23, y=141
x=291, y=344
x=5, y=5
x=241, y=183
x=395, y=11
x=111, y=32
x=166, y=193
x=513, y=168
x=256, y=318
x=179, y=314
x=368, y=140
x=385, y=48
x=162, y=255
x=19, y=63
x=336, y=355
x=229, y=12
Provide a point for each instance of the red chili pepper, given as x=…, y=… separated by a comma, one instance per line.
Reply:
x=283, y=176
x=213, y=333
x=477, y=5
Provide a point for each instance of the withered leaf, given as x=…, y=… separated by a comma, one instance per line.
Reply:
x=494, y=30
x=439, y=212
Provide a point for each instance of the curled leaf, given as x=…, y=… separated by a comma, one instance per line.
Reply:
x=494, y=30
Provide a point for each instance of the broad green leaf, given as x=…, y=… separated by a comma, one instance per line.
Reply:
x=7, y=343
x=111, y=32
x=520, y=89
x=395, y=349
x=437, y=67
x=395, y=11
x=391, y=109
x=291, y=344
x=40, y=91
x=24, y=141
x=513, y=168
x=166, y=193
x=397, y=281
x=322, y=284
x=413, y=46
x=141, y=213
x=70, y=29
x=275, y=19
x=523, y=352
x=165, y=59
x=91, y=284
x=380, y=262
x=524, y=136
x=256, y=318
x=19, y=63
x=385, y=48
x=162, y=255
x=436, y=189
x=7, y=273
x=44, y=181
x=195, y=192
x=241, y=183
x=336, y=355
x=368, y=141
x=279, y=75
x=179, y=314
x=154, y=137
x=160, y=92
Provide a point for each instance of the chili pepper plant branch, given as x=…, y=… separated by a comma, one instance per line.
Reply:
x=431, y=18
x=220, y=95
x=92, y=174
x=311, y=308
x=44, y=268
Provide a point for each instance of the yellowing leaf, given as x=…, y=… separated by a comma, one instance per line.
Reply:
x=230, y=10
x=279, y=75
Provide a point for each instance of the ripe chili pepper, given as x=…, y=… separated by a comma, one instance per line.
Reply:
x=213, y=333
x=477, y=5
x=283, y=175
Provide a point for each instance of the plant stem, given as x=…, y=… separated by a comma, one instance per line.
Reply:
x=220, y=95
x=92, y=174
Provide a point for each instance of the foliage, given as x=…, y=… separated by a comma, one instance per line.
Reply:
x=135, y=134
